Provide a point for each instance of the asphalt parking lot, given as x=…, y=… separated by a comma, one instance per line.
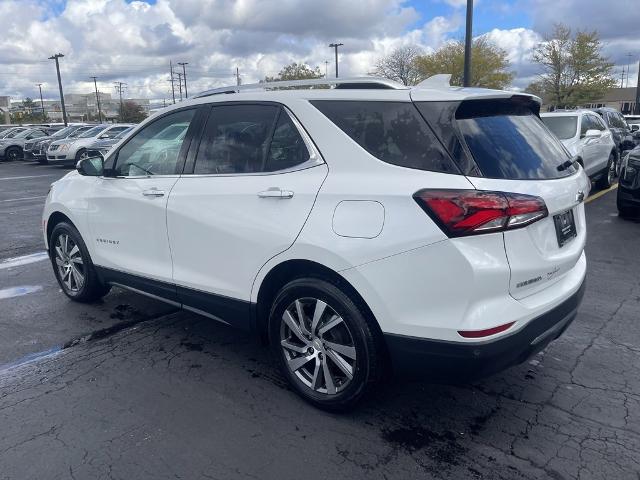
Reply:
x=130, y=388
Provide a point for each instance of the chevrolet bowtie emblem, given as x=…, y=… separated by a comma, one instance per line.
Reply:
x=579, y=196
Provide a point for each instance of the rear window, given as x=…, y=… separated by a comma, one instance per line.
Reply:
x=393, y=132
x=563, y=127
x=507, y=140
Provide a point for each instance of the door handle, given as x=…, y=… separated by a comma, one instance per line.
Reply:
x=153, y=192
x=275, y=192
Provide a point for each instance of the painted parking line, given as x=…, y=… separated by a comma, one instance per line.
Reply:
x=29, y=176
x=21, y=199
x=599, y=194
x=23, y=260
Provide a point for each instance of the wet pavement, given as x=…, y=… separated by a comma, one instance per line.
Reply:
x=130, y=389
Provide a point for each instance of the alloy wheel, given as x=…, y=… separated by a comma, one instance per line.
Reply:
x=611, y=173
x=12, y=155
x=318, y=346
x=69, y=263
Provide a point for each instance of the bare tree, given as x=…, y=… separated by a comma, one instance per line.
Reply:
x=400, y=65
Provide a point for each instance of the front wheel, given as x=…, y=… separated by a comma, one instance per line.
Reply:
x=323, y=343
x=81, y=155
x=608, y=176
x=72, y=265
x=13, y=153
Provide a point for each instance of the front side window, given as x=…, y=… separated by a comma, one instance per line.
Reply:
x=597, y=122
x=148, y=152
x=563, y=127
x=393, y=132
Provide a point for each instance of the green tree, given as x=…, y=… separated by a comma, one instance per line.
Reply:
x=489, y=64
x=296, y=71
x=574, y=70
x=400, y=65
x=132, y=112
x=30, y=112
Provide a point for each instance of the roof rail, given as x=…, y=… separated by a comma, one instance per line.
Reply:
x=353, y=82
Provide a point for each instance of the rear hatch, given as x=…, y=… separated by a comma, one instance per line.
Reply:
x=506, y=148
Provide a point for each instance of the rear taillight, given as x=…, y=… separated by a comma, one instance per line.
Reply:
x=472, y=212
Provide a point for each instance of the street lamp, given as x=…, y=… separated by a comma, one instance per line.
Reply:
x=335, y=47
x=64, y=110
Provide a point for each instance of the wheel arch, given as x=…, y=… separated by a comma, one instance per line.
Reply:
x=291, y=269
x=55, y=218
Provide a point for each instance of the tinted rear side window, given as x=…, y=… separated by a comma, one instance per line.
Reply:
x=393, y=132
x=509, y=141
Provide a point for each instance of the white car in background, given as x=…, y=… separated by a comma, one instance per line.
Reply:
x=586, y=137
x=71, y=150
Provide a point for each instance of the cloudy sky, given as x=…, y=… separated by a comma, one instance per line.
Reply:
x=133, y=41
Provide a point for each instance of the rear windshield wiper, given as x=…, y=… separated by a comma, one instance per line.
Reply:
x=568, y=163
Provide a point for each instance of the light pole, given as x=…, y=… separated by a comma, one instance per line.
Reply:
x=468, y=40
x=184, y=76
x=41, y=102
x=335, y=47
x=180, y=84
x=64, y=110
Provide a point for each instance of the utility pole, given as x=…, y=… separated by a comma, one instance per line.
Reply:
x=335, y=47
x=237, y=76
x=184, y=76
x=95, y=84
x=39, y=85
x=180, y=84
x=622, y=78
x=120, y=86
x=173, y=89
x=630, y=56
x=468, y=41
x=326, y=68
x=636, y=110
x=64, y=110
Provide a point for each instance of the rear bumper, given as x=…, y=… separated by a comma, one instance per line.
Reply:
x=454, y=361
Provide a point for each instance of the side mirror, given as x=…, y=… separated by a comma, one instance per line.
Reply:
x=90, y=166
x=635, y=128
x=593, y=133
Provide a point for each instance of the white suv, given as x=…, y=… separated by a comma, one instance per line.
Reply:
x=71, y=150
x=433, y=229
x=587, y=138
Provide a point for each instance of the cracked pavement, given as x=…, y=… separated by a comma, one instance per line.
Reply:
x=157, y=394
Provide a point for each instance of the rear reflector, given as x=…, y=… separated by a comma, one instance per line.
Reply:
x=471, y=212
x=485, y=333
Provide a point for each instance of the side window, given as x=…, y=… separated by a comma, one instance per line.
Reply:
x=148, y=152
x=585, y=124
x=287, y=146
x=113, y=132
x=599, y=124
x=236, y=139
x=393, y=132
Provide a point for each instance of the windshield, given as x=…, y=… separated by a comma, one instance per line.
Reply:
x=509, y=141
x=122, y=133
x=24, y=133
x=563, y=127
x=64, y=132
x=79, y=132
x=93, y=131
x=13, y=133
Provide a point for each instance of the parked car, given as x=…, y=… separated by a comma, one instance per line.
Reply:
x=11, y=147
x=12, y=132
x=587, y=138
x=628, y=200
x=37, y=149
x=633, y=121
x=71, y=150
x=430, y=226
x=102, y=147
x=619, y=128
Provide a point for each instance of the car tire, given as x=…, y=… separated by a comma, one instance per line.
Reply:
x=333, y=358
x=12, y=154
x=72, y=265
x=80, y=154
x=609, y=173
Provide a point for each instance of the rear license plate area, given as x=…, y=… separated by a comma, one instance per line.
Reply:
x=565, y=227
